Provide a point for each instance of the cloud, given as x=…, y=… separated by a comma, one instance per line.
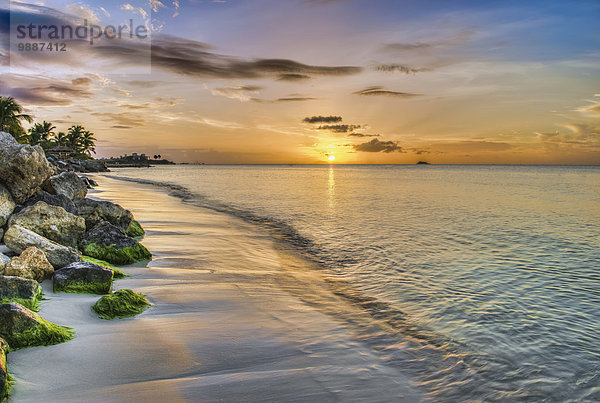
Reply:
x=322, y=119
x=400, y=68
x=240, y=93
x=339, y=128
x=380, y=91
x=192, y=58
x=294, y=99
x=293, y=77
x=81, y=81
x=121, y=119
x=376, y=146
x=135, y=10
x=121, y=127
x=403, y=47
x=363, y=135
x=39, y=90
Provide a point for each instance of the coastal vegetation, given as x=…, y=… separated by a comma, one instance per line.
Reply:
x=78, y=139
x=121, y=304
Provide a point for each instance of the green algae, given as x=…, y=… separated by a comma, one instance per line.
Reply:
x=128, y=255
x=79, y=287
x=6, y=380
x=43, y=334
x=120, y=304
x=32, y=304
x=117, y=273
x=135, y=229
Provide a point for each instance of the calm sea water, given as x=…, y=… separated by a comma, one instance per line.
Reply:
x=487, y=278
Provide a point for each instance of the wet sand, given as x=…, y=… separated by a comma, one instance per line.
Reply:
x=236, y=316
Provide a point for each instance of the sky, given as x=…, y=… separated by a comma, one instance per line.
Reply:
x=293, y=82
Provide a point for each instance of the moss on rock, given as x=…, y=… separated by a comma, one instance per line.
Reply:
x=135, y=229
x=120, y=304
x=22, y=328
x=127, y=255
x=117, y=273
x=30, y=303
x=5, y=379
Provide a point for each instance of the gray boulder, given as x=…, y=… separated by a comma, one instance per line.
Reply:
x=68, y=184
x=18, y=239
x=97, y=211
x=3, y=261
x=31, y=263
x=23, y=168
x=53, y=200
x=51, y=222
x=109, y=243
x=83, y=277
x=7, y=205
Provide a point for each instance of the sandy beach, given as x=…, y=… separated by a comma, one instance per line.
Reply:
x=235, y=317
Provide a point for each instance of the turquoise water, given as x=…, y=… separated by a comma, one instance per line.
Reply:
x=487, y=278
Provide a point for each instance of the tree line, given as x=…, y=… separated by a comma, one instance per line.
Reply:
x=44, y=134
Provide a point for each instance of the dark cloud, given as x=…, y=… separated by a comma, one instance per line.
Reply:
x=376, y=146
x=292, y=99
x=121, y=127
x=363, y=135
x=403, y=47
x=400, y=68
x=339, y=128
x=41, y=91
x=380, y=91
x=293, y=77
x=322, y=119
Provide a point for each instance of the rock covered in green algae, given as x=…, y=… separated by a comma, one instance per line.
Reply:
x=84, y=278
x=18, y=239
x=51, y=222
x=31, y=263
x=4, y=384
x=21, y=328
x=135, y=229
x=97, y=211
x=109, y=243
x=117, y=273
x=120, y=304
x=24, y=291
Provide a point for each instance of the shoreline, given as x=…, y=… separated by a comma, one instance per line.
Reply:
x=233, y=317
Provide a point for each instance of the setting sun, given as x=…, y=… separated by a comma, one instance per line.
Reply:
x=331, y=158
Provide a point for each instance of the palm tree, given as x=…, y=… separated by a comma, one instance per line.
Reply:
x=41, y=133
x=11, y=114
x=74, y=138
x=60, y=139
x=88, y=143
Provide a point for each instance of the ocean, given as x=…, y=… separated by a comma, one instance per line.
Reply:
x=476, y=282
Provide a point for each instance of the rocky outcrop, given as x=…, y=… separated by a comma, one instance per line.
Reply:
x=68, y=184
x=32, y=264
x=83, y=277
x=109, y=243
x=25, y=291
x=18, y=239
x=3, y=370
x=51, y=222
x=21, y=327
x=97, y=211
x=135, y=230
x=3, y=262
x=23, y=168
x=7, y=205
x=53, y=200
